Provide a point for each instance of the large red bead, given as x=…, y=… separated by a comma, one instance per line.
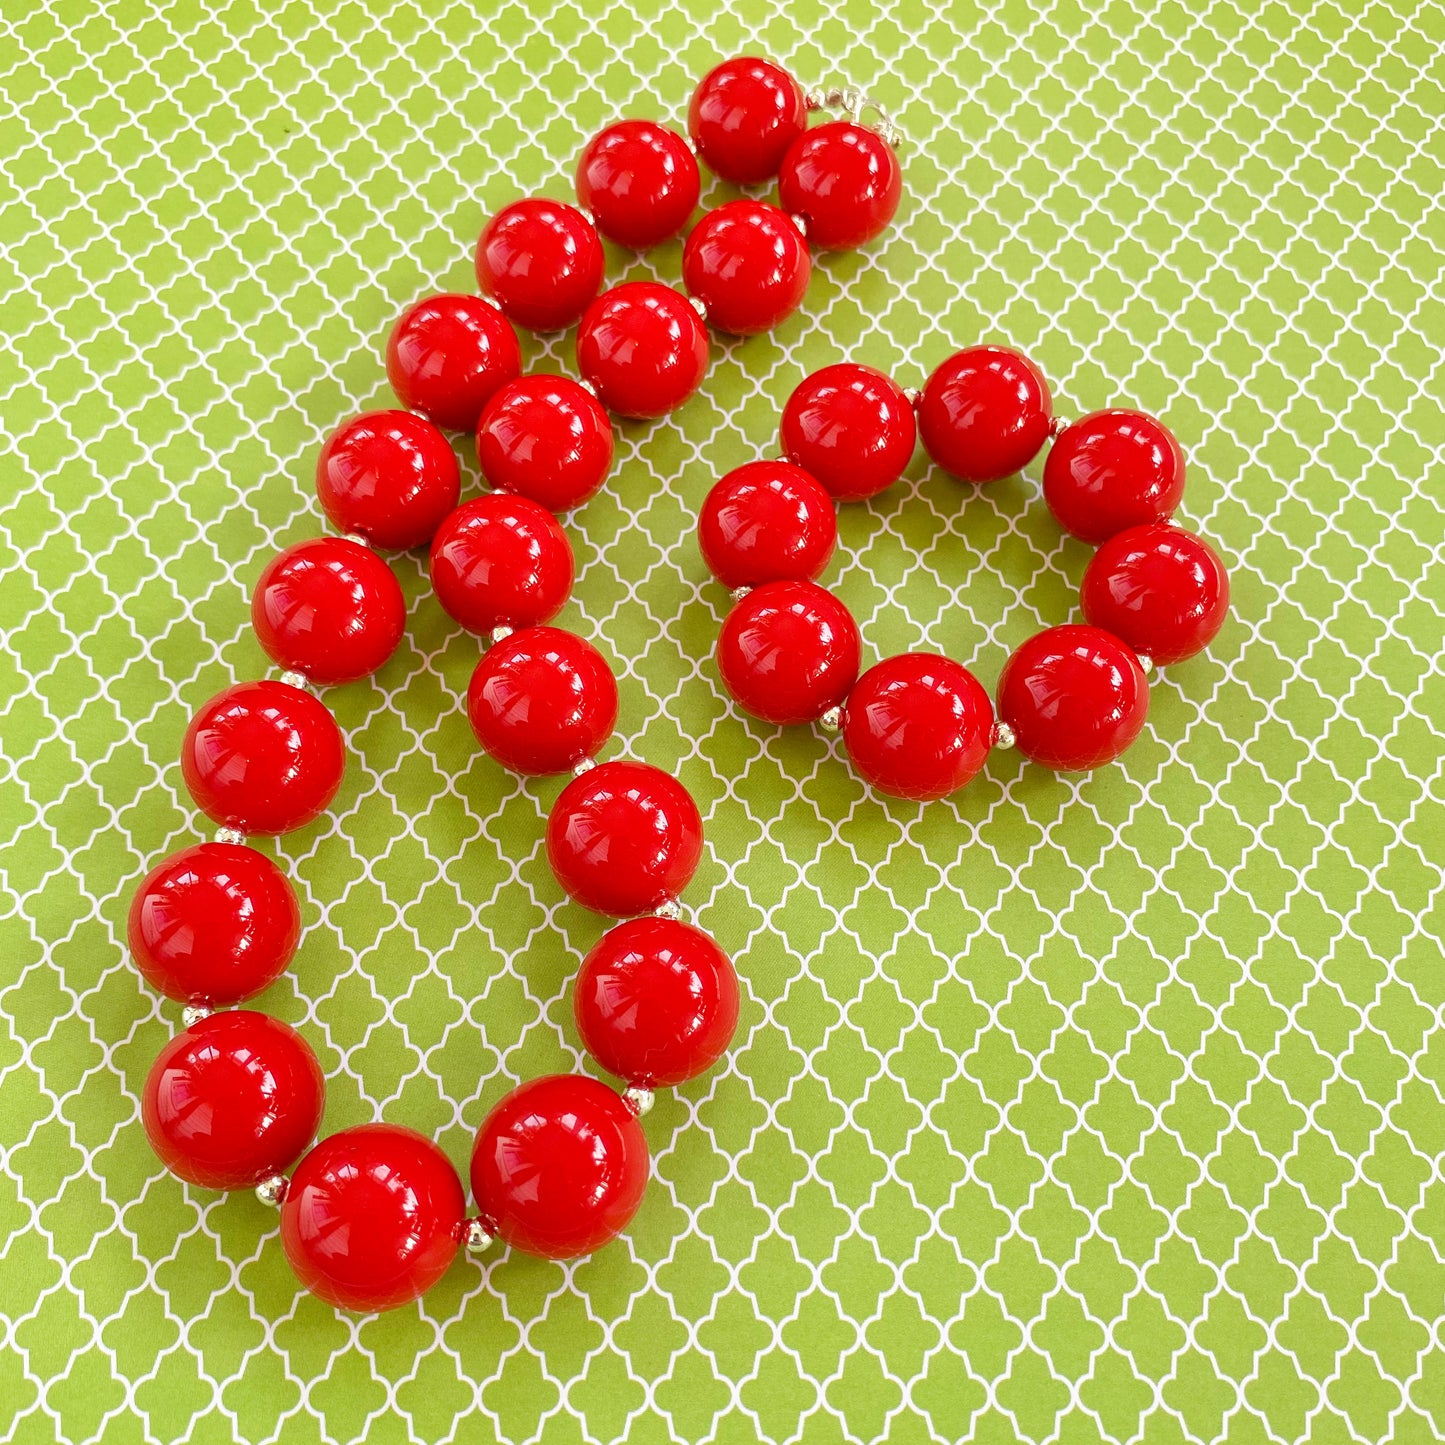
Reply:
x=264, y=757
x=656, y=1001
x=788, y=652
x=372, y=1217
x=843, y=180
x=852, y=428
x=547, y=438
x=640, y=182
x=984, y=413
x=541, y=262
x=749, y=266
x=214, y=924
x=389, y=476
x=624, y=837
x=918, y=725
x=766, y=522
x=231, y=1099
x=501, y=561
x=448, y=354
x=1161, y=589
x=643, y=347
x=559, y=1166
x=744, y=115
x=1111, y=470
x=328, y=608
x=1074, y=696
x=541, y=700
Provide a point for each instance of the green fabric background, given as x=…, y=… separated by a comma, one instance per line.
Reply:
x=1070, y=1109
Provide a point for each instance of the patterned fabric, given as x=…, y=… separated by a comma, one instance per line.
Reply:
x=1071, y=1108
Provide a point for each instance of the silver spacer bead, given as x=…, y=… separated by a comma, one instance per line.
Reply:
x=272, y=1190
x=294, y=679
x=476, y=1237
x=1146, y=663
x=193, y=1013
x=588, y=388
x=738, y=593
x=699, y=305
x=357, y=538
x=1056, y=425
x=638, y=1099
x=831, y=720
x=590, y=214
x=1003, y=736
x=499, y=634
x=583, y=765
x=801, y=222
x=230, y=835
x=668, y=908
x=912, y=395
x=834, y=96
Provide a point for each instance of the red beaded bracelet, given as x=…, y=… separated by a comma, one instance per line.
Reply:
x=373, y=1215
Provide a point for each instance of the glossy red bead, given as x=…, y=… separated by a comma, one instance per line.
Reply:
x=547, y=438
x=749, y=266
x=264, y=757
x=328, y=608
x=852, y=428
x=541, y=700
x=501, y=561
x=1074, y=696
x=918, y=726
x=744, y=115
x=985, y=413
x=1111, y=470
x=643, y=347
x=766, y=522
x=389, y=476
x=214, y=924
x=448, y=354
x=373, y=1217
x=640, y=182
x=844, y=181
x=624, y=837
x=788, y=652
x=656, y=1001
x=559, y=1166
x=541, y=262
x=231, y=1099
x=1161, y=589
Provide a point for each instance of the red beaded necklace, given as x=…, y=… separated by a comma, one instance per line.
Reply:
x=372, y=1216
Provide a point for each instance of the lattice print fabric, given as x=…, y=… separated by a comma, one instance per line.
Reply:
x=1072, y=1108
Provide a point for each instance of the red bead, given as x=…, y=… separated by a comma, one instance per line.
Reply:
x=788, y=652
x=1111, y=470
x=232, y=1099
x=744, y=115
x=559, y=1166
x=214, y=924
x=749, y=266
x=264, y=757
x=389, y=476
x=328, y=608
x=547, y=438
x=643, y=347
x=541, y=262
x=541, y=700
x=918, y=726
x=640, y=181
x=766, y=522
x=448, y=354
x=656, y=1001
x=852, y=428
x=1162, y=590
x=985, y=413
x=372, y=1217
x=1074, y=696
x=843, y=180
x=624, y=837
x=501, y=561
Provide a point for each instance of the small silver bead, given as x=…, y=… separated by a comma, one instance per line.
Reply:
x=815, y=100
x=1146, y=663
x=476, y=1236
x=1003, y=736
x=357, y=538
x=590, y=214
x=1056, y=425
x=801, y=222
x=294, y=679
x=912, y=395
x=588, y=388
x=638, y=1099
x=499, y=634
x=834, y=96
x=272, y=1190
x=230, y=835
x=738, y=593
x=193, y=1013
x=583, y=765
x=831, y=720
x=699, y=305
x=668, y=908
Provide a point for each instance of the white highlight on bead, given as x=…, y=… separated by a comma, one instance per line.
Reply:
x=583, y=765
x=1003, y=736
x=294, y=679
x=638, y=1099
x=738, y=593
x=699, y=305
x=476, y=1236
x=831, y=720
x=193, y=1013
x=272, y=1190
x=230, y=835
x=669, y=908
x=1146, y=663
